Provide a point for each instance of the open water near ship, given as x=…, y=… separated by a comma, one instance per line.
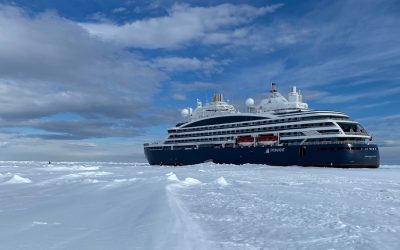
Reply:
x=75, y=205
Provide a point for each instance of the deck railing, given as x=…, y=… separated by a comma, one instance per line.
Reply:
x=356, y=133
x=325, y=143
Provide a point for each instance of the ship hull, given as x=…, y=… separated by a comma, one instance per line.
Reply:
x=326, y=155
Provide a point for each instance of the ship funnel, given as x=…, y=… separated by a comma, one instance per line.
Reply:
x=273, y=87
x=218, y=98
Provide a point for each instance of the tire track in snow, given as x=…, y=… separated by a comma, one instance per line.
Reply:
x=192, y=237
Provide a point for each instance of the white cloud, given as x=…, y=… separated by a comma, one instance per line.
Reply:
x=314, y=94
x=333, y=45
x=26, y=148
x=371, y=94
x=179, y=97
x=391, y=143
x=194, y=86
x=50, y=65
x=181, y=89
x=119, y=10
x=256, y=37
x=83, y=144
x=182, y=25
x=173, y=64
x=50, y=51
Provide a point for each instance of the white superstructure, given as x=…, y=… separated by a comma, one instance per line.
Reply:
x=276, y=120
x=276, y=102
x=214, y=108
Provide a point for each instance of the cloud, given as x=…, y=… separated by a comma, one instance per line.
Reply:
x=194, y=86
x=33, y=148
x=50, y=65
x=378, y=93
x=314, y=94
x=83, y=129
x=83, y=144
x=22, y=103
x=333, y=46
x=259, y=38
x=391, y=143
x=180, y=90
x=179, y=97
x=183, y=24
x=119, y=10
x=47, y=49
x=178, y=64
x=377, y=104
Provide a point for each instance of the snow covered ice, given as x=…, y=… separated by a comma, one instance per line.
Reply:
x=136, y=206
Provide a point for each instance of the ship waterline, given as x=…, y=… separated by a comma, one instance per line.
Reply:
x=328, y=155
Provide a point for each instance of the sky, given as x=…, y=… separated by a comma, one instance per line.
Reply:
x=94, y=80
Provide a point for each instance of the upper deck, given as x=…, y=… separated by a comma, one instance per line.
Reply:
x=289, y=119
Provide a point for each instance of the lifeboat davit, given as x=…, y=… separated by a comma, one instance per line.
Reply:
x=266, y=139
x=247, y=140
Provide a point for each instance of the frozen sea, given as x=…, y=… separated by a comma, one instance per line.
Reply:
x=72, y=205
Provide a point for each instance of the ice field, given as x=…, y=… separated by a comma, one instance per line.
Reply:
x=206, y=206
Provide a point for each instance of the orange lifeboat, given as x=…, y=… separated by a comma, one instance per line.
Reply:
x=247, y=140
x=266, y=139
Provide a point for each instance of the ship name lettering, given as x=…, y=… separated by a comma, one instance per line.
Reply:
x=277, y=150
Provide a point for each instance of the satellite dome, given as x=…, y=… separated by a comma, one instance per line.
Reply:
x=184, y=112
x=249, y=102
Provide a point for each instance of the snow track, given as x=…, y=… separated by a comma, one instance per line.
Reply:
x=206, y=206
x=187, y=233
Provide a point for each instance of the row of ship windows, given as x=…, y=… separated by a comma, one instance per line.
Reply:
x=323, y=132
x=241, y=131
x=289, y=134
x=340, y=140
x=200, y=140
x=255, y=123
x=346, y=148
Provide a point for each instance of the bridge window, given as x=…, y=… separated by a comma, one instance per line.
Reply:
x=221, y=120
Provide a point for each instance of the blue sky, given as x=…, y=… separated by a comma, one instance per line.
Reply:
x=93, y=80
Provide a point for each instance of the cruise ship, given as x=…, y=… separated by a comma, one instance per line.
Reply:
x=278, y=131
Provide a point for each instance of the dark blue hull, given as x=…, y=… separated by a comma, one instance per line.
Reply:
x=325, y=155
